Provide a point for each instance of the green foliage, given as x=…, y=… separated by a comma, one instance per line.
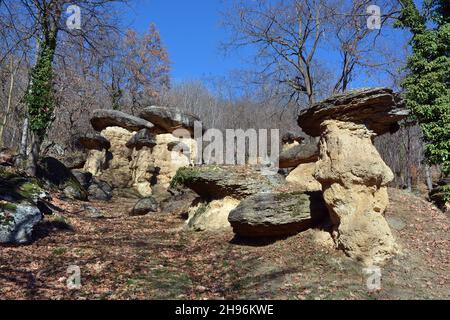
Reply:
x=40, y=97
x=446, y=190
x=182, y=175
x=427, y=85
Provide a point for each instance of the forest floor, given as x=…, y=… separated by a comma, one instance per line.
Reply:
x=152, y=257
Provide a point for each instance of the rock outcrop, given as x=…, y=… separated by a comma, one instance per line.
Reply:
x=103, y=119
x=211, y=216
x=94, y=141
x=20, y=197
x=145, y=206
x=57, y=175
x=298, y=154
x=167, y=120
x=351, y=171
x=303, y=177
x=379, y=109
x=17, y=221
x=277, y=214
x=218, y=182
x=131, y=152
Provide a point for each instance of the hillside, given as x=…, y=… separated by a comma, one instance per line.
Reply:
x=152, y=257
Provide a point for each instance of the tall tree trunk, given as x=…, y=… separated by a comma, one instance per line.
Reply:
x=24, y=139
x=34, y=154
x=9, y=103
x=428, y=177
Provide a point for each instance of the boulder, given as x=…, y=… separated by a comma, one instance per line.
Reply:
x=103, y=119
x=277, y=214
x=17, y=221
x=100, y=190
x=300, y=153
x=57, y=175
x=16, y=188
x=354, y=179
x=145, y=206
x=143, y=138
x=74, y=160
x=217, y=182
x=212, y=216
x=168, y=119
x=379, y=109
x=85, y=178
x=94, y=141
x=303, y=177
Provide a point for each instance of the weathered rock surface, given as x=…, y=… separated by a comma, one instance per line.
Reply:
x=145, y=206
x=74, y=160
x=143, y=138
x=17, y=222
x=303, y=177
x=103, y=119
x=277, y=214
x=118, y=173
x=100, y=190
x=93, y=141
x=85, y=178
x=212, y=216
x=379, y=109
x=56, y=174
x=354, y=179
x=95, y=162
x=300, y=153
x=19, y=212
x=155, y=167
x=217, y=182
x=169, y=119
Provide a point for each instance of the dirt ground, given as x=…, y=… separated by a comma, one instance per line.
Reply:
x=152, y=257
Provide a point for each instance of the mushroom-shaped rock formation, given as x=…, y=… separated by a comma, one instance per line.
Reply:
x=143, y=138
x=96, y=158
x=94, y=141
x=379, y=109
x=351, y=171
x=169, y=119
x=103, y=119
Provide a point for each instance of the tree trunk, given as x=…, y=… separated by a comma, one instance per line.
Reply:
x=9, y=103
x=34, y=154
x=428, y=177
x=24, y=139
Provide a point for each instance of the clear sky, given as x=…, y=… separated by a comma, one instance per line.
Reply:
x=191, y=31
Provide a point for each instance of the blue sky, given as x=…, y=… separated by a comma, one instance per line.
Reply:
x=191, y=31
